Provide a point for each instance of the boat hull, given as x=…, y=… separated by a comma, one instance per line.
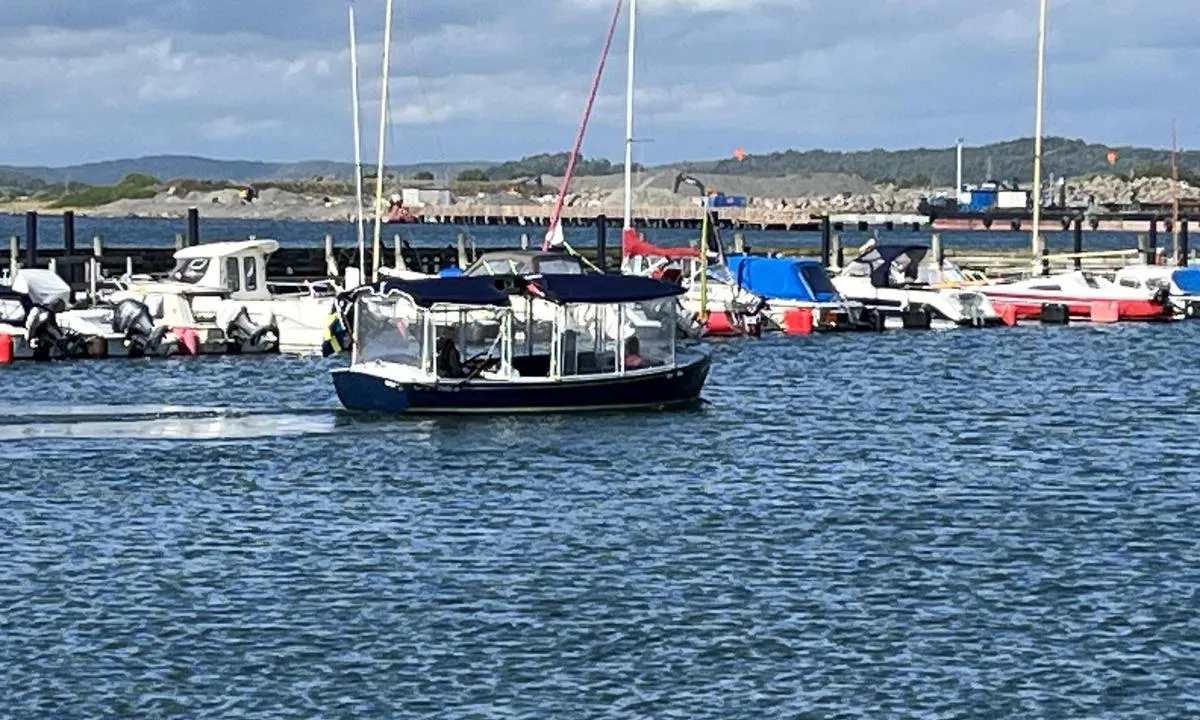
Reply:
x=1133, y=310
x=679, y=386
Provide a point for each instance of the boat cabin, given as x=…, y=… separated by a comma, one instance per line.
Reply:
x=784, y=278
x=889, y=265
x=1180, y=281
x=525, y=262
x=238, y=268
x=481, y=328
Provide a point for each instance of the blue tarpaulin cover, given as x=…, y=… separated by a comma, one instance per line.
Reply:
x=783, y=278
x=1188, y=280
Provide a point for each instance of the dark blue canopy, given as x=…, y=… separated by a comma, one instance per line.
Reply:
x=601, y=288
x=456, y=290
x=497, y=289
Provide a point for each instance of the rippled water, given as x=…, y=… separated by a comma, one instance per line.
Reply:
x=954, y=524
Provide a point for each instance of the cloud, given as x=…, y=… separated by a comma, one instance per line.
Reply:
x=481, y=79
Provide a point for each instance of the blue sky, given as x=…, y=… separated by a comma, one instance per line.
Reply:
x=496, y=79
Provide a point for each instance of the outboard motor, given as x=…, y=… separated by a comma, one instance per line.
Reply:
x=132, y=319
x=1162, y=296
x=42, y=332
x=241, y=333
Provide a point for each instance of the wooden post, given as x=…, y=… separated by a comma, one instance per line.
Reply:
x=14, y=256
x=397, y=247
x=739, y=243
x=602, y=242
x=1077, y=246
x=835, y=248
x=462, y=251
x=1143, y=247
x=1152, y=243
x=524, y=241
x=193, y=227
x=331, y=266
x=31, y=238
x=826, y=239
x=1182, y=260
x=128, y=266
x=94, y=264
x=180, y=243
x=935, y=243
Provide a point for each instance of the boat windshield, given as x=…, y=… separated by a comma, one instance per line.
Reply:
x=817, y=279
x=564, y=266
x=467, y=340
x=389, y=328
x=189, y=270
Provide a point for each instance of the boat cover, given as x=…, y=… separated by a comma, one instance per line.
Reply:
x=1188, y=280
x=496, y=289
x=783, y=278
x=44, y=288
x=634, y=245
x=883, y=259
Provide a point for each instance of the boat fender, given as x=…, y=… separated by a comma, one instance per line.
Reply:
x=1055, y=314
x=6, y=348
x=1192, y=309
x=916, y=316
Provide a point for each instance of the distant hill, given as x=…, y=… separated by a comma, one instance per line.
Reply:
x=1008, y=160
x=165, y=167
x=916, y=167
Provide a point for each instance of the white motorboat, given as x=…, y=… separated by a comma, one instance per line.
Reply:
x=1182, y=283
x=1085, y=295
x=890, y=280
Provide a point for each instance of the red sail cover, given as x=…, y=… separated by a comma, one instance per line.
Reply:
x=634, y=245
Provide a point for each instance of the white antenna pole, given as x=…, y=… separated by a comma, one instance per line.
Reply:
x=1037, y=130
x=629, y=116
x=959, y=173
x=376, y=248
x=358, y=175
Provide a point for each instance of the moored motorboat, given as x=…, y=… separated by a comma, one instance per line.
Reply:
x=891, y=280
x=1084, y=295
x=1182, y=284
x=409, y=338
x=800, y=297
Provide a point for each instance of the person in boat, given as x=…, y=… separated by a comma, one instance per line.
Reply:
x=633, y=353
x=449, y=361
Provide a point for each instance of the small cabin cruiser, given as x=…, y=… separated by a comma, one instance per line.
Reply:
x=29, y=318
x=1183, y=284
x=1085, y=295
x=890, y=280
x=794, y=283
x=454, y=345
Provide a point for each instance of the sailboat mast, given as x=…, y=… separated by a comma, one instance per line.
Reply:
x=376, y=247
x=358, y=179
x=629, y=80
x=1174, y=193
x=1037, y=130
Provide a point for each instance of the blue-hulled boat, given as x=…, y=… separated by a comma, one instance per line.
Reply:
x=790, y=283
x=474, y=344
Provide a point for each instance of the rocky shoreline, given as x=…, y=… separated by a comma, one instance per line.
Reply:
x=814, y=195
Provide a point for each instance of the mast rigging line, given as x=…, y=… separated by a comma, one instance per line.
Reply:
x=556, y=215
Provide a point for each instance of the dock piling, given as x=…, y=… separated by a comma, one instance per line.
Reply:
x=1182, y=260
x=935, y=242
x=193, y=227
x=331, y=265
x=14, y=256
x=31, y=238
x=739, y=243
x=1077, y=246
x=180, y=242
x=835, y=249
x=1152, y=243
x=69, y=232
x=602, y=243
x=94, y=266
x=524, y=241
x=462, y=251
x=398, y=256
x=826, y=239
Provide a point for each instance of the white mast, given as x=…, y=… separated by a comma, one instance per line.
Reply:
x=629, y=116
x=376, y=248
x=1037, y=139
x=958, y=175
x=358, y=179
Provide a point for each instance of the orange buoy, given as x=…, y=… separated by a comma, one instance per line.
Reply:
x=719, y=323
x=798, y=321
x=6, y=349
